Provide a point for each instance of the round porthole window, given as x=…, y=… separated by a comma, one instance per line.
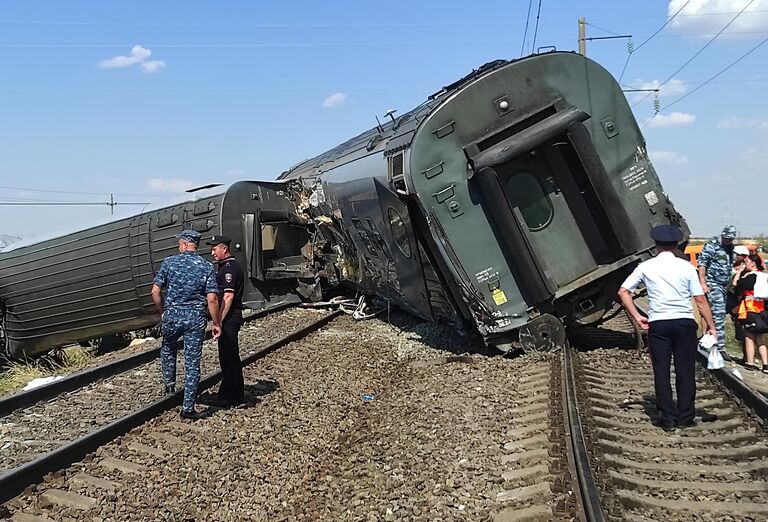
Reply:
x=398, y=232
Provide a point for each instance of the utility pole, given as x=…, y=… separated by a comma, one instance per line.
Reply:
x=583, y=36
x=112, y=204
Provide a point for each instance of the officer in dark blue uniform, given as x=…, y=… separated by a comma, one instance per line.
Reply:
x=189, y=282
x=230, y=281
x=671, y=282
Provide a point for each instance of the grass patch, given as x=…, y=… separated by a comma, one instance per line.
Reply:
x=15, y=375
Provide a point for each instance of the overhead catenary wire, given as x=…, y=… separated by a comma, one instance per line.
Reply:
x=425, y=23
x=525, y=32
x=697, y=53
x=80, y=193
x=740, y=58
x=634, y=50
x=67, y=203
x=601, y=28
x=271, y=45
x=536, y=29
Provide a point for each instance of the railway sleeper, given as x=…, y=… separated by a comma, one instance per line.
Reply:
x=634, y=500
x=745, y=437
x=752, y=451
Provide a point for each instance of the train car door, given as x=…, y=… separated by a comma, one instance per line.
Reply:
x=539, y=205
x=405, y=252
x=141, y=260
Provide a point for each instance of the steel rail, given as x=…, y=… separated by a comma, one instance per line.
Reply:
x=24, y=399
x=586, y=489
x=753, y=399
x=14, y=482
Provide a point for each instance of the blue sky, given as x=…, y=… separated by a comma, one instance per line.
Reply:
x=145, y=99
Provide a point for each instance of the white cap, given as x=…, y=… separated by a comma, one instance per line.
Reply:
x=741, y=250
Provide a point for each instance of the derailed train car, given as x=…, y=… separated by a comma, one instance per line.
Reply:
x=97, y=281
x=516, y=200
x=513, y=201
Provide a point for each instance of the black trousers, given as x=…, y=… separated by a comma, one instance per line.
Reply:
x=668, y=338
x=232, y=385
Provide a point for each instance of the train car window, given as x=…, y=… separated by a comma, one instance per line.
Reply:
x=397, y=165
x=396, y=171
x=528, y=195
x=399, y=232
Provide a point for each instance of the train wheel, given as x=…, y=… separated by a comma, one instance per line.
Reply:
x=545, y=333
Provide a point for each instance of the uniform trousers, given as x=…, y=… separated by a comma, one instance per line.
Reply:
x=667, y=339
x=191, y=324
x=717, y=303
x=232, y=388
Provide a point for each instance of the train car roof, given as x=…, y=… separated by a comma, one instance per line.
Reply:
x=178, y=200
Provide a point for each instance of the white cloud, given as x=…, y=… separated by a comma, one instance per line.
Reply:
x=335, y=100
x=710, y=16
x=736, y=122
x=169, y=184
x=139, y=56
x=152, y=66
x=667, y=157
x=673, y=119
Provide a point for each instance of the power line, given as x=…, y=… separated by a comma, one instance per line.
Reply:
x=320, y=26
x=525, y=33
x=629, y=55
x=536, y=30
x=68, y=203
x=601, y=29
x=270, y=45
x=740, y=58
x=698, y=52
x=265, y=45
x=83, y=193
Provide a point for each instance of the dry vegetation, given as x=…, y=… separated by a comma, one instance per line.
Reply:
x=15, y=375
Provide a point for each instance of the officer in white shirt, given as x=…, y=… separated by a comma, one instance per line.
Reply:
x=671, y=282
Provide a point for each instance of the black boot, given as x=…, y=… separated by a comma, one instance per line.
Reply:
x=191, y=415
x=170, y=390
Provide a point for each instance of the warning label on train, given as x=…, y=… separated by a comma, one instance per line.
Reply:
x=635, y=178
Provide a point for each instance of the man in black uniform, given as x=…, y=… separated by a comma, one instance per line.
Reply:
x=230, y=281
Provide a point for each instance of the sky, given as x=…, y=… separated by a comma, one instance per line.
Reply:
x=143, y=100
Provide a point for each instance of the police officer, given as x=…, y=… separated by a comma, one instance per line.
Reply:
x=671, y=282
x=715, y=268
x=189, y=282
x=230, y=281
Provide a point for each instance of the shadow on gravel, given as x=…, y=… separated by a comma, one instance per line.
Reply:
x=440, y=336
x=253, y=393
x=258, y=389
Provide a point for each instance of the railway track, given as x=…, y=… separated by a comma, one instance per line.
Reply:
x=349, y=425
x=716, y=470
x=48, y=434
x=358, y=421
x=115, y=363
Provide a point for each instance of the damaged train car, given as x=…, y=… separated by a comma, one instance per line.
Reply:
x=513, y=202
x=97, y=282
